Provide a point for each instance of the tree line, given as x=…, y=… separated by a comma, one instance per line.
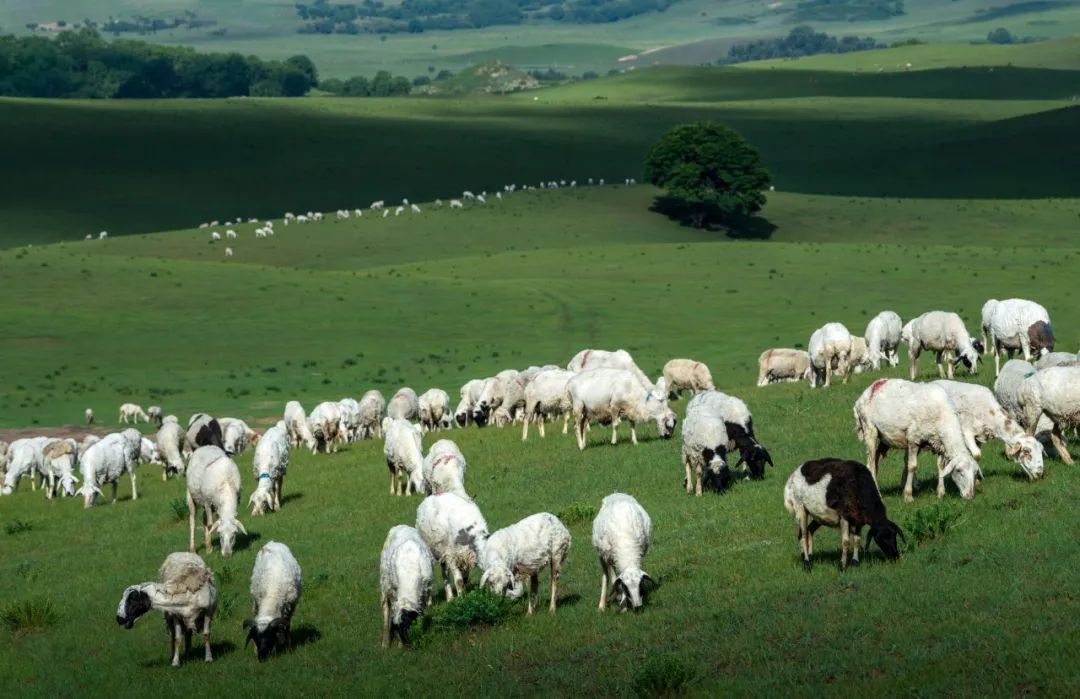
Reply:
x=801, y=41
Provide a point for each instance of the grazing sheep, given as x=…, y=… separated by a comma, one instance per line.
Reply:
x=236, y=436
x=404, y=405
x=622, y=535
x=104, y=462
x=1019, y=324
x=943, y=333
x=987, y=316
x=213, y=482
x=228, y=252
x=984, y=419
x=59, y=457
x=203, y=431
x=184, y=592
x=132, y=411
x=546, y=397
x=214, y=236
x=404, y=455
x=898, y=414
x=148, y=452
x=687, y=374
x=431, y=407
x=842, y=494
x=349, y=426
x=609, y=395
x=269, y=465
x=1054, y=392
x=470, y=397
x=456, y=204
x=1007, y=388
x=859, y=359
x=89, y=413
x=170, y=445
x=154, y=413
x=783, y=364
x=325, y=424
x=519, y=552
x=372, y=411
x=1057, y=359
x=3, y=458
x=883, y=339
x=830, y=350
x=602, y=359
x=455, y=531
x=406, y=568
x=502, y=397
x=739, y=425
x=87, y=442
x=276, y=585
x=444, y=469
x=704, y=452
x=297, y=424
x=24, y=458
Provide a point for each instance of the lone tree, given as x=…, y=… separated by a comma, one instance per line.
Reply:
x=709, y=172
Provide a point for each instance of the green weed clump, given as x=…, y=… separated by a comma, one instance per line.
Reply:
x=577, y=513
x=663, y=676
x=929, y=523
x=17, y=526
x=28, y=615
x=179, y=509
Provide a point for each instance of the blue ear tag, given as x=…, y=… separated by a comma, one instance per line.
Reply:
x=264, y=475
x=649, y=397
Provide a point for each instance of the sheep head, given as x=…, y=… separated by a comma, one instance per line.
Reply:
x=134, y=603
x=261, y=502
x=885, y=535
x=1028, y=452
x=499, y=579
x=963, y=469
x=630, y=588
x=716, y=474
x=400, y=625
x=267, y=636
x=89, y=491
x=755, y=457
x=226, y=529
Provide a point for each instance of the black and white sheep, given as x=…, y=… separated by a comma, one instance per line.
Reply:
x=455, y=531
x=406, y=568
x=704, y=452
x=739, y=424
x=1019, y=324
x=276, y=585
x=622, y=535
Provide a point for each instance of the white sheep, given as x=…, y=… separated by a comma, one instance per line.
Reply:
x=276, y=586
x=1054, y=392
x=622, y=535
x=404, y=455
x=1057, y=359
x=444, y=469
x=898, y=414
x=170, y=445
x=470, y=397
x=609, y=395
x=269, y=466
x=687, y=374
x=228, y=252
x=501, y=396
x=148, y=452
x=325, y=424
x=406, y=568
x=133, y=412
x=1019, y=324
x=432, y=405
x=184, y=592
x=297, y=425
x=404, y=405
x=89, y=414
x=603, y=359
x=830, y=350
x=372, y=411
x=215, y=236
x=546, y=397
x=230, y=233
x=24, y=458
x=236, y=436
x=455, y=531
x=704, y=452
x=1007, y=387
x=783, y=364
x=107, y=460
x=987, y=316
x=943, y=333
x=213, y=482
x=456, y=204
x=519, y=552
x=349, y=425
x=57, y=467
x=883, y=338
x=414, y=208
x=154, y=413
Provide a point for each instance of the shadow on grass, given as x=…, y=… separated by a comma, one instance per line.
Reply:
x=243, y=543
x=194, y=654
x=290, y=497
x=304, y=634
x=734, y=227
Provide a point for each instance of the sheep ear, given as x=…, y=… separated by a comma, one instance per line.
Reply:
x=215, y=526
x=768, y=457
x=1012, y=451
x=248, y=623
x=646, y=578
x=240, y=526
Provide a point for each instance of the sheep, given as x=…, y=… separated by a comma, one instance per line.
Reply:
x=276, y=586
x=154, y=413
x=608, y=395
x=404, y=455
x=414, y=208
x=830, y=350
x=228, y=252
x=132, y=411
x=783, y=364
x=500, y=398
x=739, y=425
x=622, y=535
x=3, y=458
x=470, y=396
x=230, y=234
x=399, y=210
x=213, y=482
x=943, y=333
x=87, y=442
x=184, y=592
x=24, y=458
x=215, y=236
x=1055, y=392
x=1019, y=324
x=1057, y=359
x=882, y=339
x=170, y=445
x=432, y=405
x=170, y=418
x=372, y=410
x=58, y=461
x=104, y=462
x=148, y=452
x=893, y=413
x=842, y=494
x=406, y=567
x=202, y=431
x=683, y=374
x=456, y=204
x=325, y=424
x=269, y=466
x=546, y=397
x=297, y=424
x=1007, y=387
x=603, y=359
x=349, y=425
x=89, y=414
x=455, y=531
x=404, y=405
x=984, y=419
x=704, y=452
x=444, y=469
x=987, y=315
x=236, y=436
x=859, y=359
x=519, y=552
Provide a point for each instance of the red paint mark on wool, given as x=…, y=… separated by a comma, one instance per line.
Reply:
x=876, y=386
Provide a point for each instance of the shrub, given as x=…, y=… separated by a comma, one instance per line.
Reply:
x=179, y=509
x=474, y=608
x=17, y=526
x=663, y=675
x=29, y=615
x=929, y=523
x=576, y=513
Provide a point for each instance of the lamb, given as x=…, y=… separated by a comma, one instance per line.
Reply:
x=276, y=585
x=404, y=405
x=372, y=410
x=602, y=359
x=984, y=419
x=431, y=407
x=470, y=396
x=202, y=431
x=1057, y=359
x=943, y=333
x=132, y=411
x=842, y=494
x=608, y=395
x=57, y=467
x=1055, y=392
x=406, y=568
x=830, y=350
x=987, y=316
x=621, y=535
x=325, y=424
x=89, y=414
x=297, y=424
x=148, y=453
x=154, y=413
x=687, y=374
x=704, y=452
x=213, y=482
x=783, y=364
x=104, y=462
x=882, y=339
x=444, y=469
x=184, y=592
x=404, y=455
x=898, y=414
x=24, y=458
x=455, y=531
x=170, y=445
x=546, y=397
x=519, y=552
x=1019, y=324
x=739, y=425
x=349, y=425
x=269, y=465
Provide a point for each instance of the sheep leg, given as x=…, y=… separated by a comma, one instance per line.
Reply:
x=603, y=585
x=940, y=369
x=51, y=487
x=134, y=487
x=940, y=478
x=525, y=428
x=554, y=584
x=689, y=486
x=845, y=540
x=385, y=623
x=115, y=488
x=459, y=581
x=279, y=483
x=1057, y=437
x=828, y=371
x=540, y=425
x=393, y=477
x=580, y=420
x=191, y=523
x=633, y=432
x=565, y=422
x=806, y=538
x=615, y=430
x=697, y=486
x=872, y=456
x=1025, y=345
x=446, y=583
x=208, y=519
x=534, y=593
x=206, y=639
x=856, y=535
x=176, y=631
x=912, y=465
x=913, y=359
